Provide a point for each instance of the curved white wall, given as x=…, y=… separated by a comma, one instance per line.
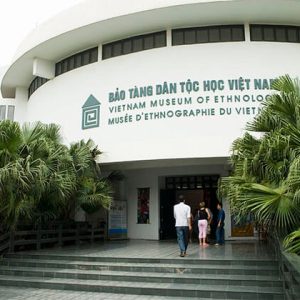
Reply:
x=61, y=99
x=207, y=123
x=96, y=22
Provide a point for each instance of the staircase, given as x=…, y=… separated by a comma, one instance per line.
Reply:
x=186, y=277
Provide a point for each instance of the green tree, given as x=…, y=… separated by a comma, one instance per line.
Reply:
x=266, y=176
x=41, y=178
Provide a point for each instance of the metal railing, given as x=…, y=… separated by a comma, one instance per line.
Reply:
x=57, y=234
x=289, y=268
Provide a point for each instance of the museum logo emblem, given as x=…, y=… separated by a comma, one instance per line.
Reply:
x=91, y=113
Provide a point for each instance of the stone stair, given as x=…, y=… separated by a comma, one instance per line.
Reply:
x=189, y=278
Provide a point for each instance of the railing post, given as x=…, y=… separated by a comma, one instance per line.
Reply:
x=60, y=241
x=38, y=237
x=77, y=233
x=12, y=241
x=92, y=235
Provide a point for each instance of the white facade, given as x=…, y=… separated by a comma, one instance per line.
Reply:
x=167, y=111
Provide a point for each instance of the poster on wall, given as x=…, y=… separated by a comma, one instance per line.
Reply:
x=143, y=213
x=117, y=220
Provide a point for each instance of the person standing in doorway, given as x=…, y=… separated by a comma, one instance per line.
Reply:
x=220, y=225
x=203, y=219
x=182, y=215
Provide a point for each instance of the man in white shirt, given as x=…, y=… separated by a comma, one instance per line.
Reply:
x=182, y=215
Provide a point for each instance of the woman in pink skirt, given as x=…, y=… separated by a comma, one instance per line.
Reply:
x=203, y=218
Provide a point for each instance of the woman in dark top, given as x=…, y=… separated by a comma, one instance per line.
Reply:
x=203, y=218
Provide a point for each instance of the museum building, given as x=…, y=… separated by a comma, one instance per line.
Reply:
x=163, y=87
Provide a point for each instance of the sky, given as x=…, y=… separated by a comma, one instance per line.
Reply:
x=19, y=17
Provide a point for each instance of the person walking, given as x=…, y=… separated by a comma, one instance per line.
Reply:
x=203, y=218
x=220, y=225
x=182, y=215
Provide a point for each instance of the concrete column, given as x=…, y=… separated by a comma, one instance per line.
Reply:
x=169, y=37
x=100, y=52
x=247, y=32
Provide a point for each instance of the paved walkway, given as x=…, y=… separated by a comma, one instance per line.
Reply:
x=141, y=249
x=167, y=249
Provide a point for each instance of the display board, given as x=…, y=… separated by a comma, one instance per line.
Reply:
x=117, y=220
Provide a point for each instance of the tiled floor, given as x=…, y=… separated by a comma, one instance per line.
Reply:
x=167, y=249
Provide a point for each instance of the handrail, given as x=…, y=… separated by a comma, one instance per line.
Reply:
x=4, y=242
x=41, y=237
x=289, y=268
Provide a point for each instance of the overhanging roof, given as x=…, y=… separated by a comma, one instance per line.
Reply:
x=81, y=27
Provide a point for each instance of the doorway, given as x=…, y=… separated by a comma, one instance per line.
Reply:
x=195, y=189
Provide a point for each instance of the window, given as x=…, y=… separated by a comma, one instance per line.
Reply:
x=202, y=36
x=94, y=55
x=86, y=58
x=191, y=182
x=160, y=39
x=10, y=112
x=256, y=33
x=177, y=37
x=209, y=34
x=117, y=49
x=225, y=34
x=127, y=47
x=35, y=84
x=137, y=44
x=280, y=35
x=190, y=37
x=134, y=44
x=72, y=63
x=269, y=34
x=77, y=60
x=148, y=42
x=2, y=112
x=214, y=35
x=237, y=33
x=275, y=33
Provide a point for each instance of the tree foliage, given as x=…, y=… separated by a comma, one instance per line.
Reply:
x=41, y=178
x=266, y=170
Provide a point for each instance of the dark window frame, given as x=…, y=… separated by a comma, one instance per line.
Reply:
x=203, y=34
x=36, y=83
x=159, y=40
x=79, y=60
x=255, y=28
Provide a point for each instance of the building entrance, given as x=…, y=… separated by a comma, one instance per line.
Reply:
x=195, y=190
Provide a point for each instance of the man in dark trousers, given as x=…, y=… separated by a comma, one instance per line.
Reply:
x=182, y=215
x=220, y=225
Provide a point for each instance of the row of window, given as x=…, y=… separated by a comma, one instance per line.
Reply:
x=7, y=112
x=234, y=33
x=275, y=33
x=135, y=44
x=35, y=84
x=192, y=182
x=211, y=34
x=77, y=60
x=184, y=36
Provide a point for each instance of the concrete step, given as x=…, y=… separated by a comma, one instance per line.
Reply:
x=179, y=277
x=17, y=293
x=178, y=260
x=147, y=288
x=202, y=267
